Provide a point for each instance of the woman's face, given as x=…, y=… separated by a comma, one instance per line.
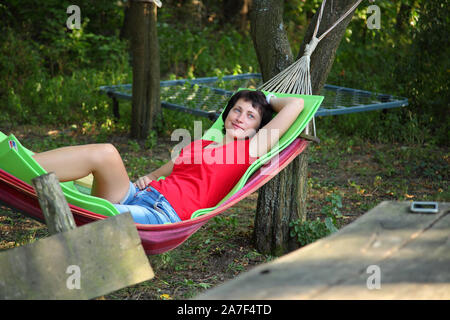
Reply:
x=243, y=120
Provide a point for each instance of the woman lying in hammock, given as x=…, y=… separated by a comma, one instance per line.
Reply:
x=202, y=175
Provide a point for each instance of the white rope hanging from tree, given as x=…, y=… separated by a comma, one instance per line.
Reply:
x=296, y=78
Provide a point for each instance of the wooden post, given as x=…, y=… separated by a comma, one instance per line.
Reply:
x=53, y=204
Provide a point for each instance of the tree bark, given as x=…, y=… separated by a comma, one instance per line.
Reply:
x=55, y=208
x=278, y=200
x=283, y=199
x=269, y=37
x=146, y=69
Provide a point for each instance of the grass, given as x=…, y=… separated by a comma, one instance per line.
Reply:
x=345, y=174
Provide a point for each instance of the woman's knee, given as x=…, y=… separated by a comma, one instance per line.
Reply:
x=104, y=154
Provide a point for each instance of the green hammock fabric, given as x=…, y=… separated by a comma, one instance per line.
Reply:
x=17, y=160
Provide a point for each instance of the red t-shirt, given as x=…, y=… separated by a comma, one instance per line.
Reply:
x=201, y=177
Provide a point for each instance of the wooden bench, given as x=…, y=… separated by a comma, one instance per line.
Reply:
x=388, y=253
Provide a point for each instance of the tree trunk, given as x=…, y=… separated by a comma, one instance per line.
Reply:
x=283, y=199
x=146, y=73
x=277, y=203
x=269, y=37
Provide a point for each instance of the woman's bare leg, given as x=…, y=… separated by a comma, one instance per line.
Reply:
x=111, y=180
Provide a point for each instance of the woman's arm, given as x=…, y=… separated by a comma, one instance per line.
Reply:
x=288, y=109
x=164, y=170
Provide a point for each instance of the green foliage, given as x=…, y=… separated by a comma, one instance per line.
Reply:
x=64, y=51
x=30, y=94
x=424, y=70
x=41, y=19
x=80, y=49
x=50, y=74
x=406, y=57
x=332, y=210
x=311, y=230
x=61, y=99
x=195, y=52
x=308, y=231
x=151, y=140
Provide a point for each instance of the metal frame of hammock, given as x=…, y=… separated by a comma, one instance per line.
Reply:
x=210, y=91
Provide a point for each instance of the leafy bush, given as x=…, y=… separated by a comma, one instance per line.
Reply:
x=311, y=230
x=32, y=95
x=424, y=69
x=308, y=231
x=406, y=57
x=40, y=19
x=195, y=52
x=78, y=49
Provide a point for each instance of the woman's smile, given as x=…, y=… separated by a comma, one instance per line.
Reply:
x=243, y=120
x=237, y=126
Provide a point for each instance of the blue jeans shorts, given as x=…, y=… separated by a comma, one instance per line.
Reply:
x=147, y=206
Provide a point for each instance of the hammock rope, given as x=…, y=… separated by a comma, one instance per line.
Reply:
x=296, y=79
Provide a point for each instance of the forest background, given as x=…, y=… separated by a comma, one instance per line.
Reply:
x=50, y=74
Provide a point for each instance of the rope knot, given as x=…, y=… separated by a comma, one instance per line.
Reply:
x=311, y=46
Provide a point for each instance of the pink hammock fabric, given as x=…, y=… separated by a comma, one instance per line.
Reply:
x=156, y=239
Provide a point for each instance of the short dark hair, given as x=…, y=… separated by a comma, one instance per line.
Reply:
x=259, y=102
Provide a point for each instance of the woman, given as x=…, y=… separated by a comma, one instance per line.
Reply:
x=200, y=177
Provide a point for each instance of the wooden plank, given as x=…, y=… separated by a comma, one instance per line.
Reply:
x=53, y=203
x=418, y=270
x=107, y=255
x=412, y=252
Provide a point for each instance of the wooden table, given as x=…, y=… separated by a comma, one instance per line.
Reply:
x=388, y=253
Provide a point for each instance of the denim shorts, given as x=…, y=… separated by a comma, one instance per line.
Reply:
x=147, y=206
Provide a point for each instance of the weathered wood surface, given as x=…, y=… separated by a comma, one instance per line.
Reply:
x=412, y=252
x=108, y=255
x=53, y=203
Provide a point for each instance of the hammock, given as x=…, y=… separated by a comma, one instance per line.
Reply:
x=155, y=238
x=17, y=168
x=19, y=194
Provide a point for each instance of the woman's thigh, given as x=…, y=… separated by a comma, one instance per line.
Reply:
x=111, y=180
